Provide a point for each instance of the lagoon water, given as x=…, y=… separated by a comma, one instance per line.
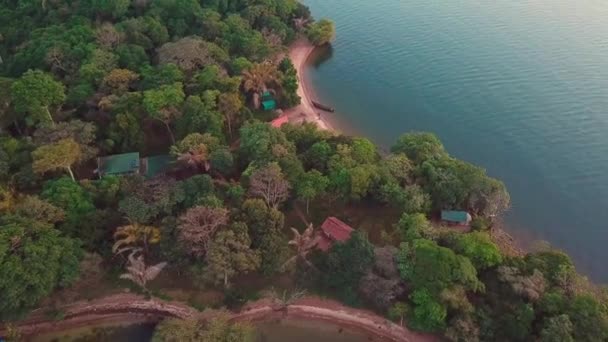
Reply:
x=518, y=87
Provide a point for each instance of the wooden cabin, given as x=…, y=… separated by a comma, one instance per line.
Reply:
x=332, y=230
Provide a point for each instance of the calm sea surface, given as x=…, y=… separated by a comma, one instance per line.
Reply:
x=519, y=87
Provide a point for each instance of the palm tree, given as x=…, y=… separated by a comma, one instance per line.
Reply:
x=196, y=157
x=303, y=243
x=257, y=78
x=300, y=23
x=139, y=273
x=129, y=236
x=286, y=298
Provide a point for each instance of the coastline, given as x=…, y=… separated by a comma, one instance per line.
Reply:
x=299, y=53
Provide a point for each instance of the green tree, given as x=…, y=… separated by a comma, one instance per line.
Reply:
x=60, y=155
x=125, y=131
x=419, y=146
x=147, y=32
x=479, y=248
x=137, y=210
x=222, y=160
x=230, y=254
x=427, y=265
x=200, y=115
x=99, y=65
x=194, y=149
x=399, y=167
x=411, y=198
x=71, y=197
x=114, y=9
x=213, y=77
x=345, y=263
x=289, y=83
x=240, y=64
x=265, y=229
x=555, y=265
x=258, y=140
x=428, y=314
x=38, y=210
x=36, y=259
x=34, y=93
x=195, y=189
x=178, y=330
x=217, y=329
x=322, y=32
x=179, y=16
x=318, y=155
x=311, y=185
x=230, y=105
x=83, y=133
x=557, y=329
x=398, y=312
x=163, y=103
x=361, y=180
x=159, y=75
x=363, y=151
x=589, y=319
x=415, y=226
x=132, y=57
x=516, y=323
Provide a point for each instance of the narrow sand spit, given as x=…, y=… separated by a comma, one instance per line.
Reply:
x=299, y=52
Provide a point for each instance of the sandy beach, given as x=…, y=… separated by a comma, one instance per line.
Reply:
x=299, y=52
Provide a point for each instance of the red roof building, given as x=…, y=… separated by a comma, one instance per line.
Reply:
x=280, y=121
x=332, y=230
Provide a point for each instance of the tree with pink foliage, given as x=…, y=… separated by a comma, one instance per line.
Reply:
x=269, y=184
x=197, y=227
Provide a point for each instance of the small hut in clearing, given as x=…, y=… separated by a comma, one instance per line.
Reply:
x=456, y=218
x=131, y=163
x=268, y=103
x=332, y=230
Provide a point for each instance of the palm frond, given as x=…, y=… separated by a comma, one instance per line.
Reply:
x=153, y=271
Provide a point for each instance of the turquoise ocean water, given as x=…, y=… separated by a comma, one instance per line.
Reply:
x=518, y=87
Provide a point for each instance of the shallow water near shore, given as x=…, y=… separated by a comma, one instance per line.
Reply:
x=518, y=87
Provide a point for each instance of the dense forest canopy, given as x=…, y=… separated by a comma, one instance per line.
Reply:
x=182, y=79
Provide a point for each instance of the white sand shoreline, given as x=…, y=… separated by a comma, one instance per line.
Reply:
x=299, y=52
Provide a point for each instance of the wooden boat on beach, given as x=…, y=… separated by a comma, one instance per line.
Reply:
x=323, y=107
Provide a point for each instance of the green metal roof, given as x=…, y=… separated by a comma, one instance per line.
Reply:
x=157, y=165
x=269, y=105
x=119, y=164
x=454, y=216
